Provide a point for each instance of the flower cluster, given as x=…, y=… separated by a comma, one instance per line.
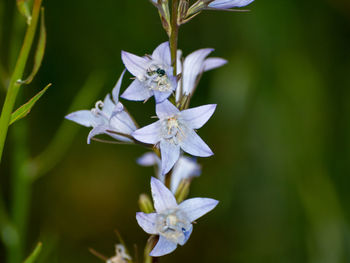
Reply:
x=173, y=140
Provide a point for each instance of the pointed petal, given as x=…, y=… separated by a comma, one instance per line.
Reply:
x=226, y=4
x=163, y=247
x=166, y=109
x=194, y=145
x=194, y=208
x=108, y=105
x=148, y=134
x=160, y=96
x=162, y=54
x=116, y=89
x=187, y=234
x=162, y=197
x=193, y=66
x=148, y=159
x=170, y=154
x=122, y=122
x=212, y=63
x=196, y=117
x=83, y=117
x=136, y=91
x=136, y=65
x=147, y=222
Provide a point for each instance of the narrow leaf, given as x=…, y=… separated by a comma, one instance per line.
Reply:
x=23, y=8
x=33, y=257
x=40, y=51
x=23, y=111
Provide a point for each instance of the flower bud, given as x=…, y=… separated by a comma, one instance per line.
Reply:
x=145, y=204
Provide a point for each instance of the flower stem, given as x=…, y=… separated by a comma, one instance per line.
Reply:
x=174, y=33
x=17, y=74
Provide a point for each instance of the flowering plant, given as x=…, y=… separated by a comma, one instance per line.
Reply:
x=172, y=81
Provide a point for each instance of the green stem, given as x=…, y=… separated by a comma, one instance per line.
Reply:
x=174, y=33
x=17, y=75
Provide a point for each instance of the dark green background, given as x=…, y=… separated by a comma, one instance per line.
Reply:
x=281, y=132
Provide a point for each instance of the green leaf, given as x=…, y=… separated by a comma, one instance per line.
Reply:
x=40, y=51
x=23, y=8
x=23, y=111
x=33, y=257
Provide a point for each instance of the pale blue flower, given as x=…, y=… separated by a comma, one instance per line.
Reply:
x=227, y=4
x=107, y=117
x=193, y=67
x=153, y=75
x=171, y=221
x=185, y=168
x=175, y=130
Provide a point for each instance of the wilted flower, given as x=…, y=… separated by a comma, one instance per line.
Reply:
x=172, y=222
x=121, y=256
x=154, y=75
x=184, y=168
x=108, y=117
x=192, y=68
x=175, y=130
x=226, y=4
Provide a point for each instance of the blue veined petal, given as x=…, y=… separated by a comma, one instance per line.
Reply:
x=116, y=89
x=161, y=96
x=163, y=247
x=137, y=91
x=194, y=208
x=147, y=222
x=192, y=67
x=196, y=117
x=194, y=145
x=162, y=54
x=166, y=109
x=184, y=168
x=226, y=4
x=212, y=63
x=148, y=134
x=136, y=65
x=100, y=129
x=170, y=154
x=122, y=122
x=108, y=105
x=83, y=117
x=162, y=197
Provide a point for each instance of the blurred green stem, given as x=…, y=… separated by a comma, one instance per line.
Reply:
x=14, y=87
x=21, y=182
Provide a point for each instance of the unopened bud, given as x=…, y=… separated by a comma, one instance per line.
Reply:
x=183, y=190
x=145, y=204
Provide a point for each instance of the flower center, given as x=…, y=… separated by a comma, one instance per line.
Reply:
x=173, y=130
x=157, y=79
x=172, y=225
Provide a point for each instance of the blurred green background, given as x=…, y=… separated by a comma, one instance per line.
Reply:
x=281, y=132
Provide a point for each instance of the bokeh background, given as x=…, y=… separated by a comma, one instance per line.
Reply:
x=281, y=132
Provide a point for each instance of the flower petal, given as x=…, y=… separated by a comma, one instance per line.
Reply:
x=192, y=67
x=194, y=145
x=108, y=105
x=147, y=222
x=83, y=117
x=163, y=247
x=136, y=65
x=184, y=168
x=148, y=159
x=148, y=134
x=212, y=63
x=162, y=54
x=194, y=208
x=122, y=122
x=162, y=197
x=116, y=89
x=170, y=154
x=187, y=234
x=136, y=91
x=196, y=117
x=166, y=109
x=100, y=129
x=226, y=4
